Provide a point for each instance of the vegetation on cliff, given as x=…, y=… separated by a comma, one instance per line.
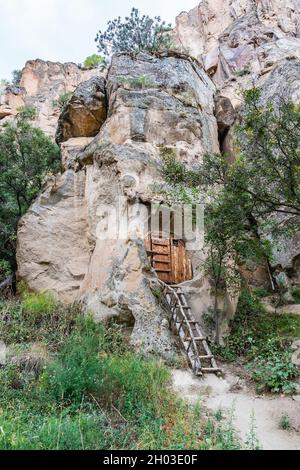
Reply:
x=136, y=34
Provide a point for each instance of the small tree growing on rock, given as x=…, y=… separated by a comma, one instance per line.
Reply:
x=93, y=61
x=137, y=33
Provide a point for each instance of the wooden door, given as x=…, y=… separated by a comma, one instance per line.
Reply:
x=169, y=259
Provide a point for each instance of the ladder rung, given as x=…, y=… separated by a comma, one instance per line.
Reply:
x=210, y=369
x=209, y=356
x=162, y=270
x=196, y=338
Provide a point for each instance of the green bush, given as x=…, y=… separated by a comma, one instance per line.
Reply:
x=94, y=61
x=137, y=33
x=296, y=294
x=94, y=392
x=262, y=340
x=38, y=317
x=27, y=113
x=17, y=75
x=284, y=422
x=40, y=304
x=62, y=100
x=275, y=373
x=261, y=292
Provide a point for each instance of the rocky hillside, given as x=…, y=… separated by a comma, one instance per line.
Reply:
x=186, y=101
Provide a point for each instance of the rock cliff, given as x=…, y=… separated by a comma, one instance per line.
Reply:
x=112, y=134
x=42, y=83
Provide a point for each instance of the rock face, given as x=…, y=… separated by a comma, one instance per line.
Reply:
x=227, y=35
x=73, y=239
x=241, y=44
x=42, y=83
x=85, y=112
x=60, y=242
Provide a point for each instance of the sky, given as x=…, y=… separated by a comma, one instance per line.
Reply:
x=64, y=30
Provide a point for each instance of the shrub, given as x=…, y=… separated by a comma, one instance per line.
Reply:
x=137, y=33
x=284, y=422
x=39, y=305
x=27, y=113
x=37, y=318
x=140, y=82
x=296, y=294
x=17, y=75
x=5, y=269
x=275, y=373
x=62, y=100
x=94, y=61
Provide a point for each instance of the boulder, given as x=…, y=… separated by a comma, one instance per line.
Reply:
x=85, y=112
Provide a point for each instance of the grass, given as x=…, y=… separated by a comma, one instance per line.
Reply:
x=93, y=391
x=263, y=342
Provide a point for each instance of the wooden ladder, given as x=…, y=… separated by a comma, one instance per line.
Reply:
x=188, y=329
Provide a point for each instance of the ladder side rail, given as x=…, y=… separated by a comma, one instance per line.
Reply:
x=194, y=357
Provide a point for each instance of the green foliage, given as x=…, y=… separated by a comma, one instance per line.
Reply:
x=93, y=61
x=62, y=100
x=261, y=292
x=26, y=156
x=284, y=422
x=137, y=33
x=93, y=392
x=38, y=317
x=262, y=340
x=26, y=113
x=39, y=305
x=295, y=291
x=142, y=82
x=17, y=75
x=252, y=442
x=275, y=373
x=5, y=269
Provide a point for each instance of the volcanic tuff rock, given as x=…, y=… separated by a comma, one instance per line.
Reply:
x=59, y=246
x=42, y=83
x=153, y=103
x=85, y=112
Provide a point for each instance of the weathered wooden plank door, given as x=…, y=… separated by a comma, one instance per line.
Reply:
x=160, y=253
x=169, y=259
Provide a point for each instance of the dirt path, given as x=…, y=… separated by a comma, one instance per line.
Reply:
x=230, y=393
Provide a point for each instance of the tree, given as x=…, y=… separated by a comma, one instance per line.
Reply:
x=137, y=33
x=17, y=75
x=261, y=185
x=267, y=168
x=27, y=155
x=94, y=61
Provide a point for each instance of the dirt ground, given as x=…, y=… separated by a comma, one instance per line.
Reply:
x=234, y=393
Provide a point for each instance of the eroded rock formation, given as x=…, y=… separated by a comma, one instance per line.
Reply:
x=152, y=103
x=58, y=243
x=41, y=85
